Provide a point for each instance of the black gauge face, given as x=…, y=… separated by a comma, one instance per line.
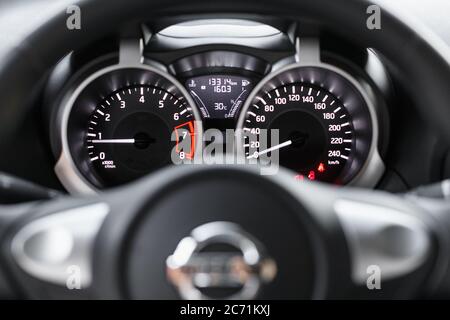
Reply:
x=129, y=133
x=219, y=96
x=316, y=134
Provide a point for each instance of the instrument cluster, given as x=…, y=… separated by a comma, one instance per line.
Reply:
x=126, y=120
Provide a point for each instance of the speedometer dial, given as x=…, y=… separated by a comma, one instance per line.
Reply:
x=325, y=125
x=315, y=130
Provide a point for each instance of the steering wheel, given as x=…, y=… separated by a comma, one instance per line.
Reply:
x=199, y=232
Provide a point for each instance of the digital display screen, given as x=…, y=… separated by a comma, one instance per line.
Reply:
x=219, y=96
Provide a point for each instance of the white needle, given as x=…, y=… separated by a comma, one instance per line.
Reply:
x=114, y=141
x=278, y=146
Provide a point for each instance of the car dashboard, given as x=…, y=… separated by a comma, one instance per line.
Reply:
x=211, y=150
x=219, y=85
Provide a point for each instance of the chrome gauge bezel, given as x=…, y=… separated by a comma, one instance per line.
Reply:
x=347, y=89
x=98, y=85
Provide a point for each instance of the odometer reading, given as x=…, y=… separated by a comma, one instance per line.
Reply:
x=316, y=135
x=129, y=133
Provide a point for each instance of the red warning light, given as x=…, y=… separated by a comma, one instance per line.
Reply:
x=299, y=177
x=312, y=175
x=321, y=167
x=190, y=128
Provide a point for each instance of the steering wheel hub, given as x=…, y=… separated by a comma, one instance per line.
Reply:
x=219, y=260
x=240, y=249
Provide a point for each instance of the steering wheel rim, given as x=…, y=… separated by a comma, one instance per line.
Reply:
x=420, y=58
x=25, y=67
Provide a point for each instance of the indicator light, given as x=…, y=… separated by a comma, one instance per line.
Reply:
x=299, y=177
x=321, y=167
x=312, y=175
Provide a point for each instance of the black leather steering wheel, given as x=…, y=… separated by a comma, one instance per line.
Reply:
x=310, y=241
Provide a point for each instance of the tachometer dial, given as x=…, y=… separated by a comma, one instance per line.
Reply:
x=130, y=132
x=122, y=123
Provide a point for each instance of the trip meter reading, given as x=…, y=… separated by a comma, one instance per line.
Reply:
x=219, y=96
